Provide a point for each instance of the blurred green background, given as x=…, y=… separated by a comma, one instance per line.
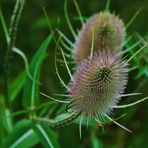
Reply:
x=33, y=29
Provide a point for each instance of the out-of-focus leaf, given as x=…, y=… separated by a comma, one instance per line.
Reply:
x=2, y=118
x=143, y=71
x=31, y=89
x=22, y=136
x=4, y=26
x=96, y=143
x=6, y=122
x=16, y=86
x=3, y=134
x=1, y=98
x=47, y=136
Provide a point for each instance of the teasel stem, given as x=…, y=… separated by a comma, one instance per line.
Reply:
x=10, y=38
x=67, y=120
x=107, y=6
x=61, y=122
x=11, y=43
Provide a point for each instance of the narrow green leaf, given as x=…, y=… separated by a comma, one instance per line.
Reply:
x=131, y=47
x=3, y=134
x=31, y=89
x=1, y=98
x=16, y=86
x=143, y=71
x=20, y=112
x=140, y=38
x=21, y=136
x=25, y=140
x=4, y=27
x=6, y=121
x=137, y=52
x=47, y=136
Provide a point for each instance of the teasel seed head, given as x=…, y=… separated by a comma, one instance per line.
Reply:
x=108, y=32
x=98, y=84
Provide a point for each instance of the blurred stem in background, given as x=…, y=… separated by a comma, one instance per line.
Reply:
x=10, y=40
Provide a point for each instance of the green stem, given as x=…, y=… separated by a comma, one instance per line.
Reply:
x=10, y=44
x=12, y=35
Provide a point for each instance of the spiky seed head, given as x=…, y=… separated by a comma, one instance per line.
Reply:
x=98, y=83
x=108, y=31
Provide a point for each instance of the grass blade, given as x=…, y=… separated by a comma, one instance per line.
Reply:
x=16, y=86
x=22, y=136
x=47, y=136
x=31, y=89
x=4, y=27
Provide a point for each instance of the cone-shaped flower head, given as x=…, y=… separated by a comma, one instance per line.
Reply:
x=107, y=30
x=98, y=84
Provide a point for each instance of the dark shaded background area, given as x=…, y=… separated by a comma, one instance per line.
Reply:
x=32, y=31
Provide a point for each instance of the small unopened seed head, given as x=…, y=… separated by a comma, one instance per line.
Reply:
x=98, y=84
x=107, y=30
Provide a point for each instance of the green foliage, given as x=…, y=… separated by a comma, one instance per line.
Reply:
x=16, y=86
x=47, y=136
x=31, y=87
x=22, y=135
x=21, y=104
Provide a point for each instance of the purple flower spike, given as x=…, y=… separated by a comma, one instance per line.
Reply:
x=107, y=30
x=98, y=84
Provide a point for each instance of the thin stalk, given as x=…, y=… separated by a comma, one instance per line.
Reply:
x=12, y=34
x=10, y=44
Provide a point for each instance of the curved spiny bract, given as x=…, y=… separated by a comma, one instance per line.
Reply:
x=98, y=83
x=108, y=32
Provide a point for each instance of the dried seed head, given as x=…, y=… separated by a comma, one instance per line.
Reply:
x=108, y=31
x=98, y=84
